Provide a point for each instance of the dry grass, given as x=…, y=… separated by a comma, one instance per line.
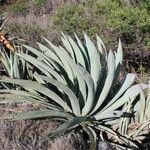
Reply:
x=27, y=134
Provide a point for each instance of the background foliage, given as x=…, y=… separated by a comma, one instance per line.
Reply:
x=111, y=19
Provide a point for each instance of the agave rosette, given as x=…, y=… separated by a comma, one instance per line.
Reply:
x=80, y=84
x=13, y=65
x=137, y=128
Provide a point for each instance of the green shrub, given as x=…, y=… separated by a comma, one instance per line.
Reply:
x=39, y=2
x=104, y=7
x=130, y=22
x=107, y=18
x=147, y=42
x=71, y=17
x=19, y=7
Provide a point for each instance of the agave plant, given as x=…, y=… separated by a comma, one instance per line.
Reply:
x=137, y=129
x=4, y=38
x=79, y=84
x=13, y=65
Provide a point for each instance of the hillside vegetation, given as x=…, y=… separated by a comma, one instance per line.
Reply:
x=74, y=86
x=110, y=19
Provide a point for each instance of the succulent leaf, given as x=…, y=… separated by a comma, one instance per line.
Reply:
x=80, y=84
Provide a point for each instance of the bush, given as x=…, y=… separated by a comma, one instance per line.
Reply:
x=40, y=2
x=72, y=17
x=131, y=23
x=107, y=18
x=19, y=7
